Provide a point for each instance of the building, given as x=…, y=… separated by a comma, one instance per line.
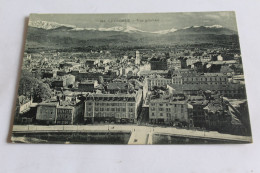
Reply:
x=62, y=73
x=79, y=109
x=120, y=108
x=191, y=60
x=91, y=63
x=24, y=104
x=60, y=112
x=48, y=73
x=216, y=116
x=158, y=64
x=159, y=81
x=63, y=81
x=198, y=103
x=65, y=114
x=87, y=86
x=205, y=59
x=146, y=73
x=83, y=75
x=169, y=111
x=204, y=78
x=198, y=66
x=25, y=111
x=174, y=63
x=69, y=80
x=137, y=58
x=46, y=113
x=70, y=112
x=227, y=90
x=117, y=87
x=184, y=72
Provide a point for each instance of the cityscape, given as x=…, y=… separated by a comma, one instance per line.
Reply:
x=132, y=79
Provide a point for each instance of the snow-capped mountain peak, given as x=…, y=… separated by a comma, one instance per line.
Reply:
x=82, y=29
x=214, y=26
x=164, y=31
x=47, y=25
x=132, y=29
x=128, y=29
x=121, y=28
x=191, y=27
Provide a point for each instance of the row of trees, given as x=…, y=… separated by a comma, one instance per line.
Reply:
x=30, y=86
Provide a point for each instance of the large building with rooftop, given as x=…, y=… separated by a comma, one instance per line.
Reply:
x=112, y=107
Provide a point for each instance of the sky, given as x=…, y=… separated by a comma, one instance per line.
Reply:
x=143, y=21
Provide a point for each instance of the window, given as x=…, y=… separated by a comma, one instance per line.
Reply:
x=161, y=114
x=152, y=114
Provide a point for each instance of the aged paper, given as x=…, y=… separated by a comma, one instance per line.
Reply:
x=162, y=78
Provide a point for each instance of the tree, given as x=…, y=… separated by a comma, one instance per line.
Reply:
x=42, y=92
x=29, y=86
x=38, y=74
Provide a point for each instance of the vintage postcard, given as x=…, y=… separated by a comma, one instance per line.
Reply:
x=155, y=78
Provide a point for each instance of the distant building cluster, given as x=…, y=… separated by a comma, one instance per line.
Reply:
x=184, y=87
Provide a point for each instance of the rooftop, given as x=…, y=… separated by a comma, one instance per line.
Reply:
x=111, y=97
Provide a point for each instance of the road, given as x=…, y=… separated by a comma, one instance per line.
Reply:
x=139, y=134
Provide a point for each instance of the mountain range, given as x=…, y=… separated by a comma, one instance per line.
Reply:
x=53, y=25
x=42, y=34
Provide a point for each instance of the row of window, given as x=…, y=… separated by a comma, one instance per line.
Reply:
x=167, y=109
x=209, y=83
x=106, y=114
x=112, y=109
x=229, y=91
x=167, y=104
x=62, y=111
x=111, y=104
x=167, y=115
x=204, y=79
x=63, y=122
x=62, y=117
x=161, y=81
x=48, y=112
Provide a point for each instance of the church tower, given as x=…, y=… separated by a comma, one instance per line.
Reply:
x=137, y=58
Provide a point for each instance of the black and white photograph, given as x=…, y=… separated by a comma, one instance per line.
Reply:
x=132, y=78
